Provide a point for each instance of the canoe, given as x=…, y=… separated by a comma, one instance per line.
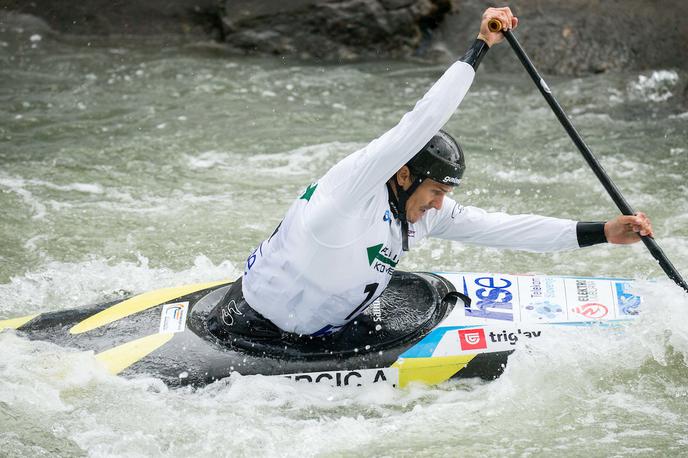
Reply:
x=426, y=327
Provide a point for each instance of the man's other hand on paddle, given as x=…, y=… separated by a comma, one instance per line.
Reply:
x=628, y=229
x=505, y=16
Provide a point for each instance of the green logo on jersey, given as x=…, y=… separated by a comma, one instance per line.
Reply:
x=374, y=252
x=309, y=192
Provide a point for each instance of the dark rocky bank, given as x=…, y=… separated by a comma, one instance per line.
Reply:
x=570, y=38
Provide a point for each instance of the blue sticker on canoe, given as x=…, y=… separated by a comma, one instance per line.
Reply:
x=629, y=303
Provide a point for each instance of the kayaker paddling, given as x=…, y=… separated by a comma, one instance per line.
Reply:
x=337, y=248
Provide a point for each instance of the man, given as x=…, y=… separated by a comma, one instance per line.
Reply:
x=339, y=243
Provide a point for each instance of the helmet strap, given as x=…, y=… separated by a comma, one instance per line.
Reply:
x=397, y=203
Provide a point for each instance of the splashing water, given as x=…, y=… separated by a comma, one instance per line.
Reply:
x=129, y=166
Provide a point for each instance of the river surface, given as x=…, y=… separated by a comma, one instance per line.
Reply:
x=134, y=164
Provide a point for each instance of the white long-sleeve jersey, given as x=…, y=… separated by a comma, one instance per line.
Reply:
x=338, y=245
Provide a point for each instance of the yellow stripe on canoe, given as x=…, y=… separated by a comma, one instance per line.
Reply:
x=432, y=371
x=16, y=323
x=119, y=358
x=138, y=304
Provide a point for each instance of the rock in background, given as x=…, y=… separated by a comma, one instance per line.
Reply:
x=333, y=29
x=194, y=18
x=573, y=37
x=585, y=36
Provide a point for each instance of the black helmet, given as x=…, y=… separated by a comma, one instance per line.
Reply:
x=441, y=159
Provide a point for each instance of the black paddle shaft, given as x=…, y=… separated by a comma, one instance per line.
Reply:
x=592, y=161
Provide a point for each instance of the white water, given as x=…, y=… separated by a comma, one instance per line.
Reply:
x=126, y=167
x=601, y=390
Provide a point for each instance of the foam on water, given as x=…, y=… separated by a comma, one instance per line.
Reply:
x=304, y=161
x=655, y=87
x=17, y=186
x=610, y=386
x=60, y=285
x=312, y=161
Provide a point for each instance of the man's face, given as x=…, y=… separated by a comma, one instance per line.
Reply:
x=429, y=194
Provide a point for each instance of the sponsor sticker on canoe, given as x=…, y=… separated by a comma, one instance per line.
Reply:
x=492, y=297
x=590, y=299
x=512, y=335
x=543, y=299
x=472, y=339
x=627, y=300
x=488, y=339
x=531, y=300
x=173, y=317
x=361, y=377
x=592, y=310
